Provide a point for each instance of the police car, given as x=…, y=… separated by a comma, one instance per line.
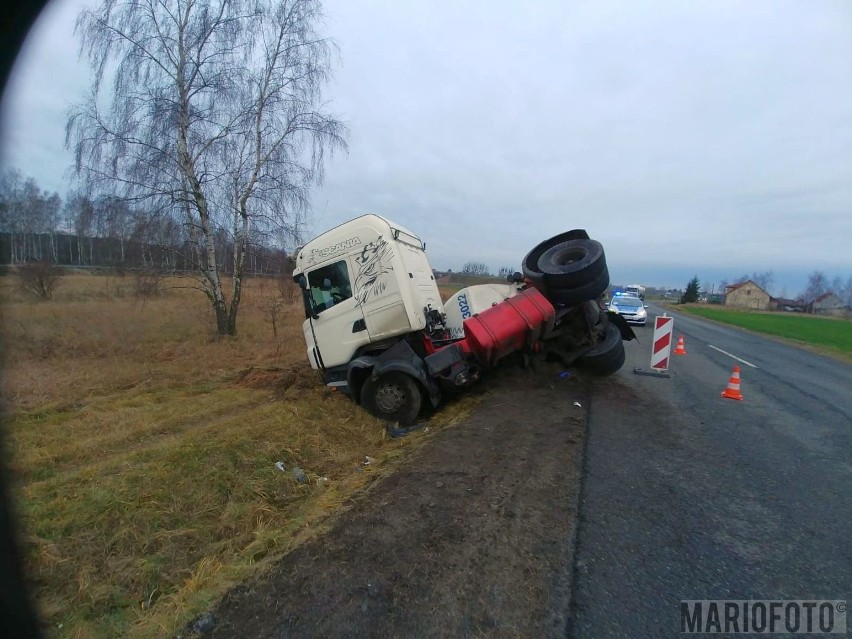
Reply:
x=630, y=307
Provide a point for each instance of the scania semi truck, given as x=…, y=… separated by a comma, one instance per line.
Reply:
x=377, y=329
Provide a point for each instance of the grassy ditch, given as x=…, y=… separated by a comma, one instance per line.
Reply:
x=830, y=335
x=143, y=449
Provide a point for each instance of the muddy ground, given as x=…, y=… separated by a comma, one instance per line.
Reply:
x=472, y=537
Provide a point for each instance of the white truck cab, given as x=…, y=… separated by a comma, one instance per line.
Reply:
x=367, y=280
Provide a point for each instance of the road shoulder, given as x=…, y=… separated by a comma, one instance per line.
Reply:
x=475, y=535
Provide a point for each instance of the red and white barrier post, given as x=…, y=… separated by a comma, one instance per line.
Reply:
x=661, y=348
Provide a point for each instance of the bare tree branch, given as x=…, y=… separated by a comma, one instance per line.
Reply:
x=215, y=117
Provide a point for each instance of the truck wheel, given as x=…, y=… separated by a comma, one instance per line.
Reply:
x=393, y=396
x=608, y=356
x=575, y=295
x=572, y=264
x=530, y=263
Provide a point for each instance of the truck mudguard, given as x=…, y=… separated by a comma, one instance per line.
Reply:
x=444, y=359
x=401, y=358
x=624, y=328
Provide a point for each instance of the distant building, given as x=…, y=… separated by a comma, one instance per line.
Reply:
x=747, y=295
x=788, y=305
x=442, y=277
x=829, y=304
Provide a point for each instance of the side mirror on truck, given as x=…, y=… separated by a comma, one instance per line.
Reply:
x=307, y=297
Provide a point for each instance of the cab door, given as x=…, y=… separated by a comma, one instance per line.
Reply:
x=338, y=326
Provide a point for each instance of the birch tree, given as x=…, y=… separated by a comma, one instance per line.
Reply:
x=28, y=214
x=210, y=111
x=80, y=217
x=764, y=280
x=11, y=183
x=817, y=286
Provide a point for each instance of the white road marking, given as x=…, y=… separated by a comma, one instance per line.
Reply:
x=739, y=359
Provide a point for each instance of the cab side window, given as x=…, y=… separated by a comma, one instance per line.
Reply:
x=329, y=285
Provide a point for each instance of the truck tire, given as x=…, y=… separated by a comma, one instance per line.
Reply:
x=572, y=264
x=608, y=356
x=393, y=396
x=569, y=296
x=530, y=263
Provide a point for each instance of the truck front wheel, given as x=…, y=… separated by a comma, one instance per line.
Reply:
x=393, y=396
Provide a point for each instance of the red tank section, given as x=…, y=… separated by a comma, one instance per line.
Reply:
x=512, y=325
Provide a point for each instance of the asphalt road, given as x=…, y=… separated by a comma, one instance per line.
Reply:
x=688, y=495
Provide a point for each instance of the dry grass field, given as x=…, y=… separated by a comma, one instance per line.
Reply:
x=143, y=448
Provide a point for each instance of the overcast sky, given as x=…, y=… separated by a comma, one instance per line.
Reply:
x=707, y=138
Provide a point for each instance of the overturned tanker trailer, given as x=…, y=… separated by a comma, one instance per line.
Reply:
x=377, y=330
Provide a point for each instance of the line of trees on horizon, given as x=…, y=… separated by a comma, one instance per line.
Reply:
x=108, y=231
x=482, y=269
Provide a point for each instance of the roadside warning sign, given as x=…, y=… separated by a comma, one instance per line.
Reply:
x=663, y=328
x=661, y=347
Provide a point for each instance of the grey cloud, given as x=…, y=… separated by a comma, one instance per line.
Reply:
x=685, y=136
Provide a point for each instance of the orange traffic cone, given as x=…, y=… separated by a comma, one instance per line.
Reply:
x=679, y=349
x=733, y=389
